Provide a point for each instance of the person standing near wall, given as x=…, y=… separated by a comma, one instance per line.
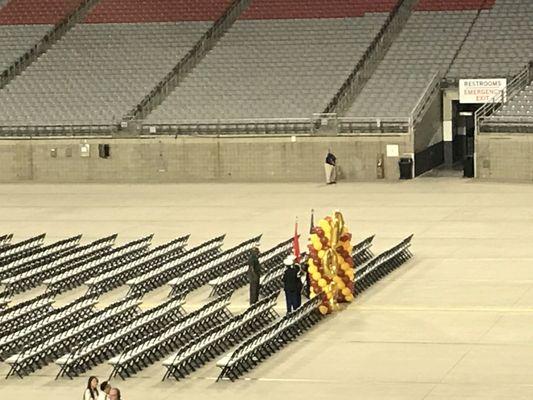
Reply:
x=254, y=274
x=330, y=167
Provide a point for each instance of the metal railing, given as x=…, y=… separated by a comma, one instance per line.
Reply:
x=258, y=126
x=364, y=125
x=66, y=130
x=187, y=63
x=426, y=98
x=514, y=86
x=373, y=54
x=45, y=43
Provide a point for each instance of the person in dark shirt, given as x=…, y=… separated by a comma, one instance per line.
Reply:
x=254, y=274
x=292, y=284
x=330, y=167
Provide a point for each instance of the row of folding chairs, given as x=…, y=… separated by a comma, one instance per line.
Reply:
x=362, y=252
x=383, y=264
x=117, y=277
x=239, y=277
x=25, y=313
x=37, y=356
x=47, y=268
x=20, y=249
x=44, y=255
x=222, y=264
x=5, y=240
x=212, y=343
x=78, y=274
x=272, y=281
x=61, y=319
x=157, y=346
x=91, y=354
x=269, y=340
x=166, y=272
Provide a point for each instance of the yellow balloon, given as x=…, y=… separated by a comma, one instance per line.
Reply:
x=329, y=295
x=313, y=269
x=350, y=274
x=322, y=283
x=321, y=254
x=324, y=225
x=341, y=284
x=323, y=310
x=345, y=266
x=316, y=276
x=315, y=241
x=346, y=292
x=349, y=297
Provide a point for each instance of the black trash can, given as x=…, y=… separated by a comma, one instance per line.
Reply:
x=468, y=167
x=406, y=168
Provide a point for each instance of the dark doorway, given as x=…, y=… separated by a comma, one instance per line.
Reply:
x=463, y=130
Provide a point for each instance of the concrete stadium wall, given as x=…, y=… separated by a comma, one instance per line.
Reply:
x=198, y=159
x=504, y=157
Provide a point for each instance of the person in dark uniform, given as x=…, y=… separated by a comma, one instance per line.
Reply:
x=292, y=284
x=330, y=167
x=254, y=273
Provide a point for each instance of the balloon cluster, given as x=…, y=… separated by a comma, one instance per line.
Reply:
x=330, y=262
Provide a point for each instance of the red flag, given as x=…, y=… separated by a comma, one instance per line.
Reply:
x=296, y=242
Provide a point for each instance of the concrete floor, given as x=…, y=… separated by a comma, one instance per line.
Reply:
x=456, y=322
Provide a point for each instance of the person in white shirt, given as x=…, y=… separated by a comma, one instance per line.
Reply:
x=105, y=387
x=91, y=393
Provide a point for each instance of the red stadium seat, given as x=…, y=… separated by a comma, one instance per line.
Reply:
x=453, y=5
x=298, y=9
x=139, y=11
x=29, y=12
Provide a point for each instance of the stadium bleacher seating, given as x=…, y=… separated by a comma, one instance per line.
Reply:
x=517, y=111
x=426, y=46
x=100, y=70
x=283, y=59
x=23, y=23
x=499, y=44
